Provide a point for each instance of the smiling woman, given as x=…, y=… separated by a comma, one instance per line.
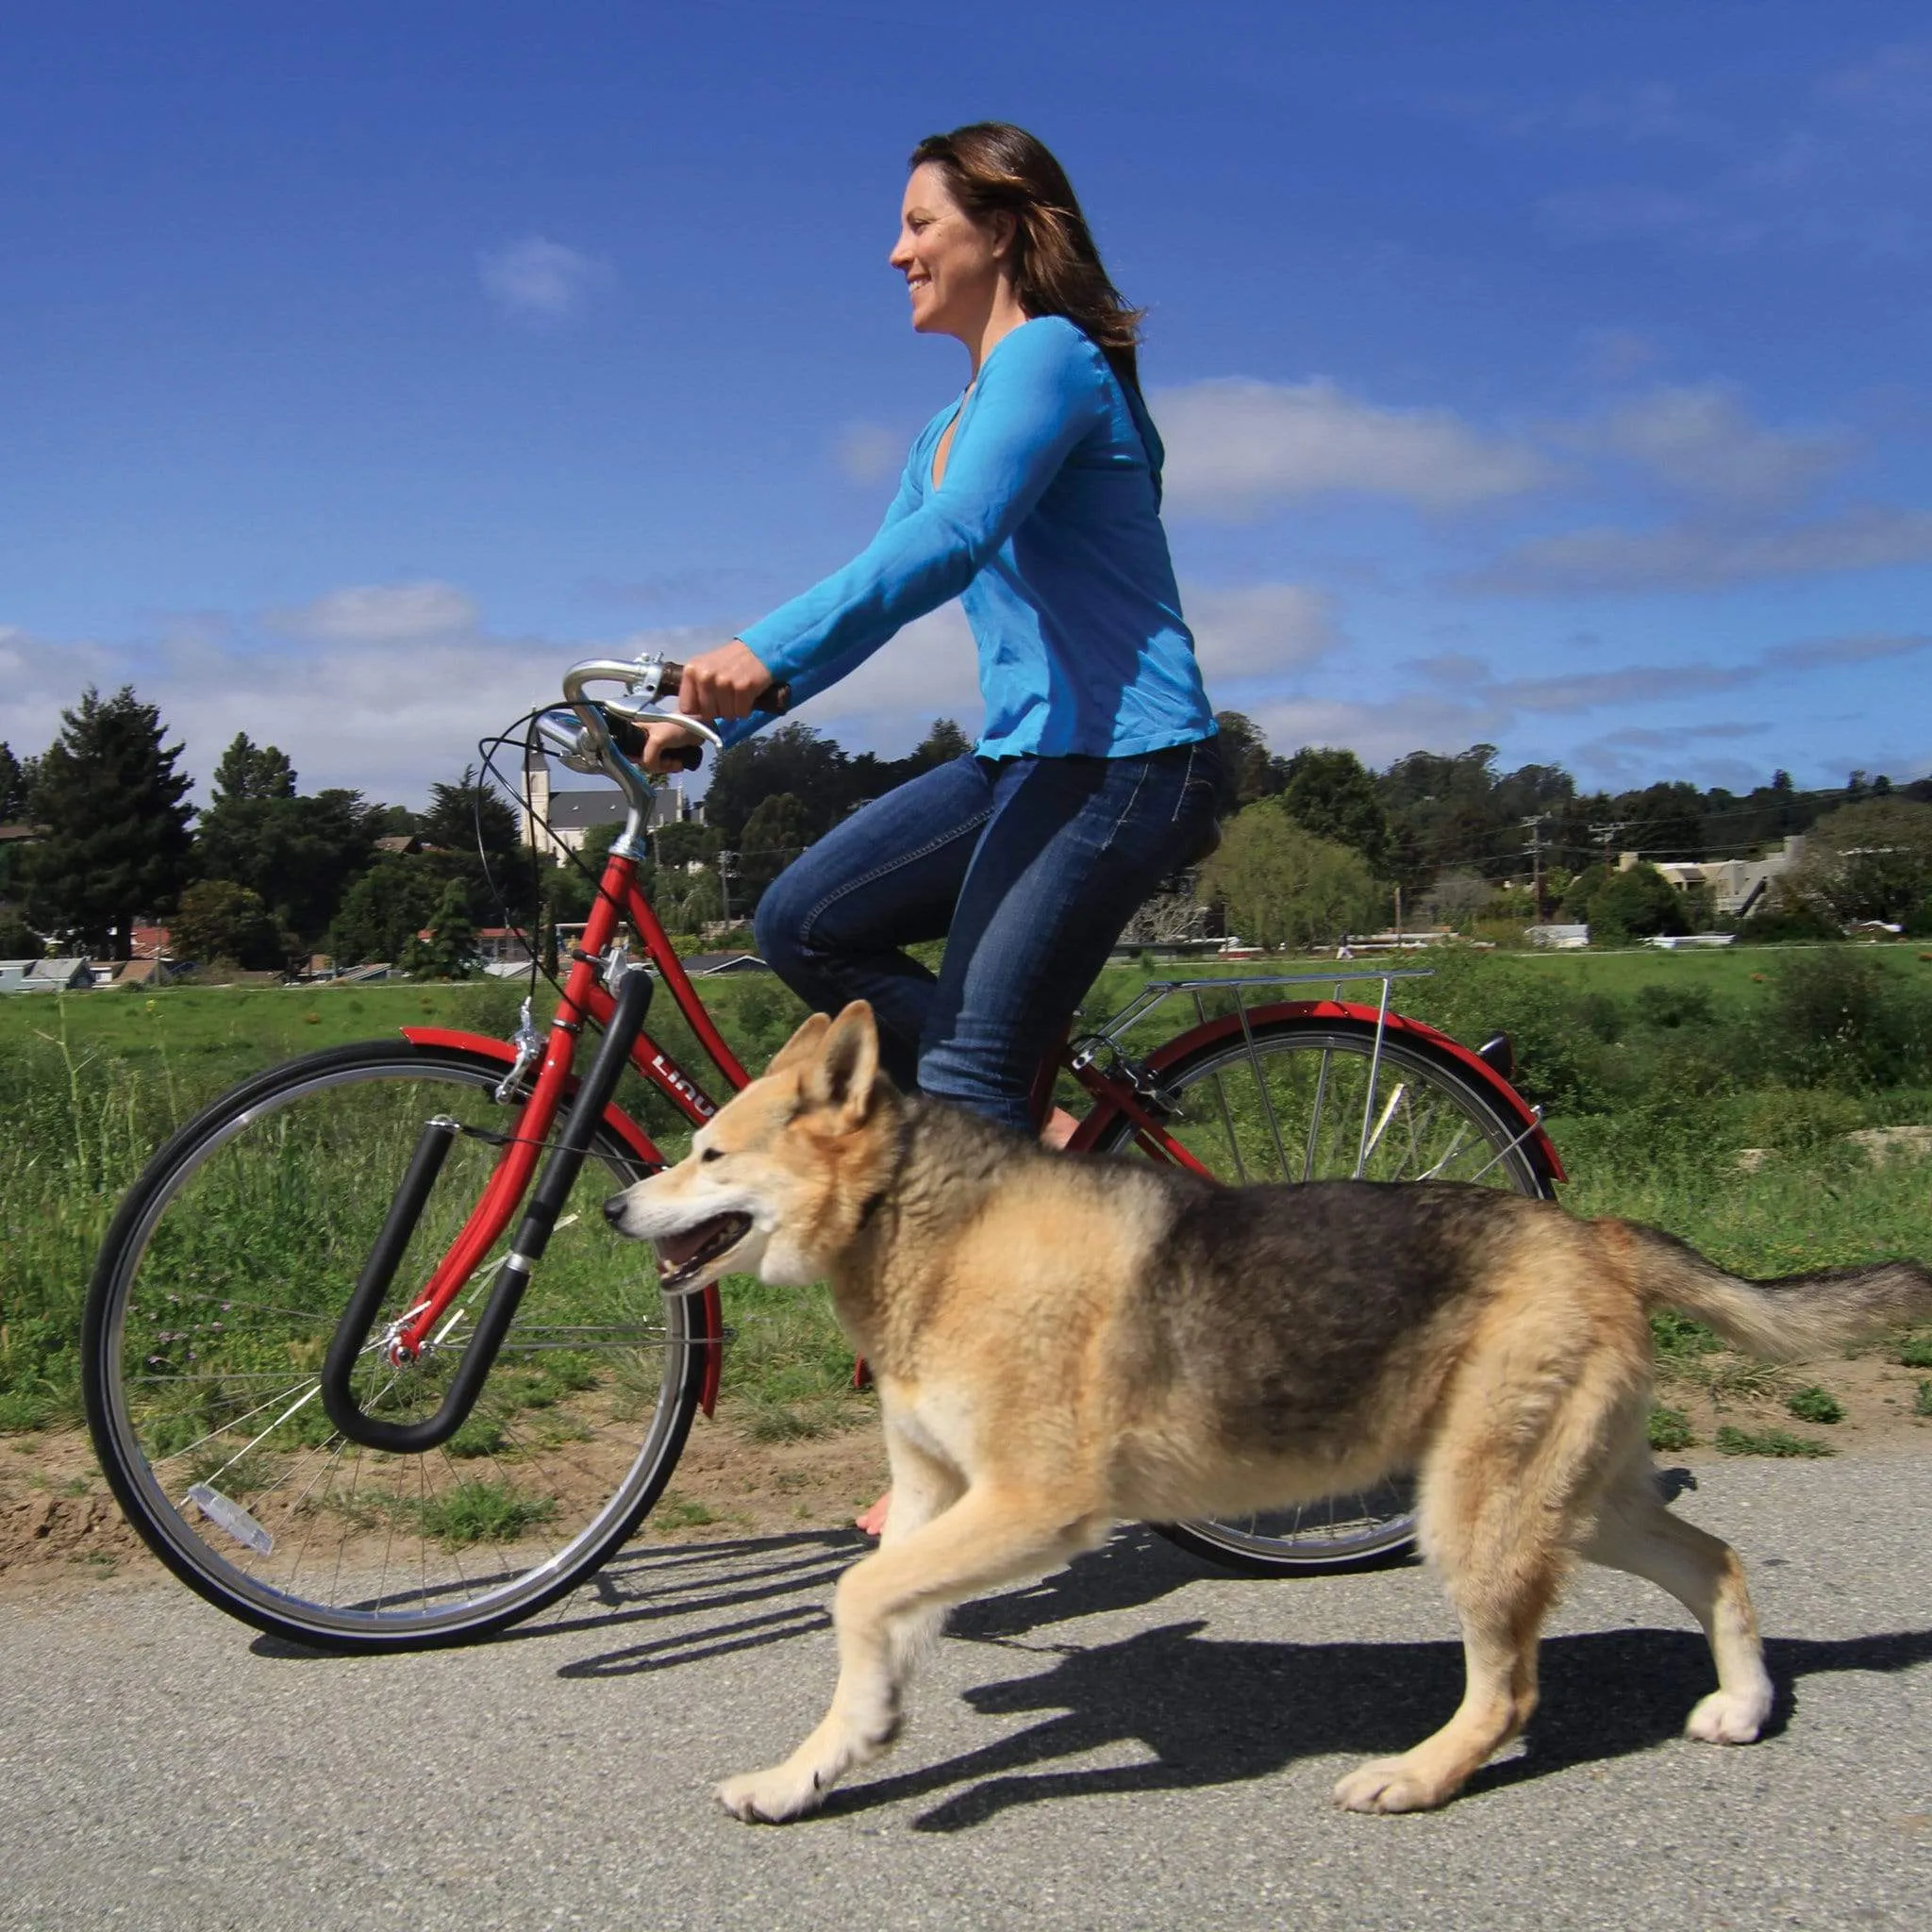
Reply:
x=1034, y=497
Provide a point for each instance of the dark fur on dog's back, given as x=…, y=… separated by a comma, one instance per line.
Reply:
x=1313, y=1287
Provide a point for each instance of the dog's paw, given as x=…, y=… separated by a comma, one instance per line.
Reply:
x=773, y=1796
x=1730, y=1717
x=1387, y=1784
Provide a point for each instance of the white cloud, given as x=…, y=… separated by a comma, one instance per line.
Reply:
x=1817, y=653
x=1260, y=630
x=1700, y=441
x=870, y=453
x=380, y=614
x=1235, y=447
x=535, y=279
x=1704, y=557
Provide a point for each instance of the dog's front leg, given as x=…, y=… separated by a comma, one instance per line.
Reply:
x=988, y=1536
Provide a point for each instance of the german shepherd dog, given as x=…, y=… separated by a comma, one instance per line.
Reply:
x=1062, y=1344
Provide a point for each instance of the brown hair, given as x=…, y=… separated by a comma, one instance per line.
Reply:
x=991, y=167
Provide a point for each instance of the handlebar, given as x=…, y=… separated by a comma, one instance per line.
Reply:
x=612, y=738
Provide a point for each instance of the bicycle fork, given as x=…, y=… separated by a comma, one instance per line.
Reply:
x=513, y=1273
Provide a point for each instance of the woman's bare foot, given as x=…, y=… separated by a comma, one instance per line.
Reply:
x=1061, y=1128
x=873, y=1521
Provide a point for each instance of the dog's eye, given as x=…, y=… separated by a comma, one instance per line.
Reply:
x=712, y=1153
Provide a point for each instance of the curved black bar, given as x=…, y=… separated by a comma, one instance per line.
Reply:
x=632, y=1000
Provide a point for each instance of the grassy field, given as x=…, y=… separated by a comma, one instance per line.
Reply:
x=1656, y=1068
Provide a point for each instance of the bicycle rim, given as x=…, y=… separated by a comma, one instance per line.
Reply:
x=213, y=1302
x=1301, y=1100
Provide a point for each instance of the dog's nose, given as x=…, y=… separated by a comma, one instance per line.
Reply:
x=613, y=1210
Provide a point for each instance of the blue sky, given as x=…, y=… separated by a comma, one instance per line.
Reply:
x=1548, y=376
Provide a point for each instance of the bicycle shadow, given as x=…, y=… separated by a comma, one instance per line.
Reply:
x=1209, y=1711
x=1131, y=1570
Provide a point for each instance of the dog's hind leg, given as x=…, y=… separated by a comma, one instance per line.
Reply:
x=990, y=1536
x=1507, y=1494
x=1635, y=1532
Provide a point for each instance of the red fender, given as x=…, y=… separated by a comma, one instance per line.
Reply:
x=639, y=1144
x=1472, y=1063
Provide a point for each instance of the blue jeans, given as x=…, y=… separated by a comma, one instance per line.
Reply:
x=1028, y=868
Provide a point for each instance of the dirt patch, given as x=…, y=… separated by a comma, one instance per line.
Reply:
x=1878, y=1398
x=60, y=1524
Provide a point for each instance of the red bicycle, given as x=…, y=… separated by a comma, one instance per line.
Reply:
x=365, y=1367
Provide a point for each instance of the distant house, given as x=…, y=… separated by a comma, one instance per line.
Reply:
x=400, y=844
x=1737, y=886
x=557, y=822
x=704, y=965
x=1557, y=939
x=70, y=974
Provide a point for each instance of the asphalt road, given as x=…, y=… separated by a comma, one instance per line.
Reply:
x=1131, y=1744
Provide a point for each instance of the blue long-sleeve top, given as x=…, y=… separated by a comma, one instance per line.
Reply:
x=1046, y=526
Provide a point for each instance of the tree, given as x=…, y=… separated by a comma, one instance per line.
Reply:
x=794, y=759
x=382, y=911
x=480, y=844
x=684, y=844
x=251, y=771
x=1331, y=794
x=774, y=837
x=218, y=920
x=1457, y=896
x=117, y=842
x=14, y=787
x=450, y=950
x=1284, y=887
x=1248, y=771
x=1868, y=860
x=1634, y=905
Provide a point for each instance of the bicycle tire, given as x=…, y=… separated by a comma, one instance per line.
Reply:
x=1274, y=1128
x=221, y=1279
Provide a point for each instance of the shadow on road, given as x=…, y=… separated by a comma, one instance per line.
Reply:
x=1211, y=1713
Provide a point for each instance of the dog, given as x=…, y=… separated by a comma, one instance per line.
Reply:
x=1063, y=1343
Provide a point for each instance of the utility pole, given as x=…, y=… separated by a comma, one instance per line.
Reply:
x=1609, y=833
x=725, y=861
x=1534, y=826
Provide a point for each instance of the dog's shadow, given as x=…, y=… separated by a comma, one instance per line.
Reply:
x=1208, y=1711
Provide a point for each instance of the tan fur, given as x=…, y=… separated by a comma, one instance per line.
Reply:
x=1035, y=1391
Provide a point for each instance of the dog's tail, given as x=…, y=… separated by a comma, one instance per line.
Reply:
x=1790, y=1319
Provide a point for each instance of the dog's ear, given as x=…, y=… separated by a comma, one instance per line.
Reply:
x=847, y=1067
x=802, y=1044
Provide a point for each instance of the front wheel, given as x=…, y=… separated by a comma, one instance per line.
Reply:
x=1303, y=1100
x=213, y=1302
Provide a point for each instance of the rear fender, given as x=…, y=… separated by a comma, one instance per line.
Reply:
x=640, y=1146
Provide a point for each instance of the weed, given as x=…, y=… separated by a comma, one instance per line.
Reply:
x=21, y=1411
x=1816, y=1404
x=475, y=1512
x=678, y=1513
x=479, y=1436
x=1915, y=1351
x=1678, y=1338
x=1669, y=1429
x=1921, y=1402
x=1732, y=1441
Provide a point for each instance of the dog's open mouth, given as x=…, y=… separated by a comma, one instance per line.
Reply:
x=683, y=1256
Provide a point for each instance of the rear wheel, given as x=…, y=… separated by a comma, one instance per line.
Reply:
x=213, y=1302
x=1294, y=1100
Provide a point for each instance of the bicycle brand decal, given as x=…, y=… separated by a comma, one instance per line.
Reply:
x=673, y=1076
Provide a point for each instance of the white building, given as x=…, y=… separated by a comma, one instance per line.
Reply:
x=556, y=821
x=1737, y=885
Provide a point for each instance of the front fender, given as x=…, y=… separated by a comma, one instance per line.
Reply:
x=640, y=1147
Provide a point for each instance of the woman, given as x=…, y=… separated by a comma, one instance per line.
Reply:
x=1035, y=499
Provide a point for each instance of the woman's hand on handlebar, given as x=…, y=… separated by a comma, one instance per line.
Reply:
x=666, y=742
x=724, y=683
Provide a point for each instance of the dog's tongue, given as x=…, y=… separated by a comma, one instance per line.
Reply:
x=674, y=1250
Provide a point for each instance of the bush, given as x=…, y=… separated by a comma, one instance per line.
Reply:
x=1669, y=1429
x=1668, y=1008
x=1732, y=1441
x=1834, y=1017
x=1634, y=904
x=1815, y=1405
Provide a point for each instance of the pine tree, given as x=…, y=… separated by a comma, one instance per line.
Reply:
x=117, y=842
x=14, y=787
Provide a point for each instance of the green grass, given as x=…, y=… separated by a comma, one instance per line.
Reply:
x=1921, y=1402
x=1669, y=1429
x=478, y=1512
x=1915, y=1352
x=1732, y=1441
x=1642, y=1057
x=1815, y=1405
